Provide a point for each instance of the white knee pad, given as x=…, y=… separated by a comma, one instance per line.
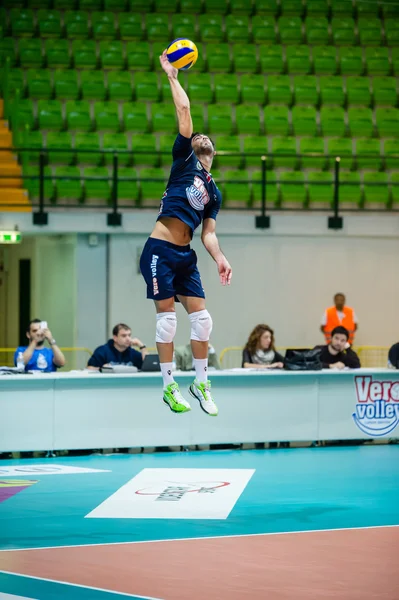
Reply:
x=166, y=327
x=201, y=325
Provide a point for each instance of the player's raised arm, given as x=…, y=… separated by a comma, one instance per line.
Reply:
x=211, y=243
x=180, y=98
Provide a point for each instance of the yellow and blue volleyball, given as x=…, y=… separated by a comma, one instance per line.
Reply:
x=182, y=54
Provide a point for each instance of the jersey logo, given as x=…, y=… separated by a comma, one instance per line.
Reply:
x=199, y=166
x=197, y=194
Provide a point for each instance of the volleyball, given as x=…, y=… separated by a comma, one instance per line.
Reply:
x=182, y=54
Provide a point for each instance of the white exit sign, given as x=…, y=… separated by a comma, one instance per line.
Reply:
x=10, y=237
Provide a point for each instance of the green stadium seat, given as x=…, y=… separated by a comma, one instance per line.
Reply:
x=219, y=58
x=320, y=188
x=131, y=27
x=237, y=29
x=117, y=142
x=292, y=7
x=88, y=141
x=298, y=59
x=292, y=188
x=135, y=117
x=226, y=89
x=76, y=24
x=241, y=7
x=395, y=189
x=32, y=140
x=13, y=81
x=8, y=51
x=317, y=8
x=312, y=153
x=30, y=52
x=96, y=183
x=392, y=32
x=184, y=26
x=257, y=147
x=57, y=54
x=211, y=28
x=197, y=116
x=264, y=29
x=120, y=85
x=32, y=3
x=157, y=26
x=128, y=190
x=366, y=148
x=360, y=122
x=376, y=190
x=266, y=7
x=228, y=143
x=90, y=4
x=305, y=90
x=279, y=89
x=370, y=33
x=103, y=25
x=115, y=5
x=199, y=87
x=350, y=191
x=64, y=4
x=138, y=56
x=154, y=186
x=290, y=30
x=78, y=115
x=219, y=119
x=106, y=116
x=351, y=60
x=358, y=91
x=390, y=9
x=331, y=91
x=163, y=117
x=271, y=59
x=146, y=87
x=245, y=58
x=324, y=60
x=343, y=31
x=49, y=23
x=317, y=30
x=22, y=114
x=367, y=9
x=33, y=185
x=304, y=120
x=395, y=60
x=57, y=141
x=378, y=61
x=111, y=53
x=165, y=6
x=342, y=148
x=247, y=119
x=387, y=121
x=39, y=83
x=190, y=6
x=271, y=189
x=166, y=142
x=284, y=152
x=276, y=120
x=144, y=149
x=237, y=191
x=215, y=6
x=68, y=184
x=332, y=120
x=49, y=115
x=84, y=54
x=93, y=85
x=253, y=89
x=66, y=84
x=22, y=22
x=341, y=8
x=391, y=153
x=138, y=5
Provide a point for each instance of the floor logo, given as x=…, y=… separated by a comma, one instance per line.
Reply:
x=377, y=408
x=10, y=487
x=45, y=470
x=176, y=494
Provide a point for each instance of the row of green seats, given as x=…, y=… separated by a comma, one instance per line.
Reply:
x=218, y=58
x=304, y=153
x=220, y=119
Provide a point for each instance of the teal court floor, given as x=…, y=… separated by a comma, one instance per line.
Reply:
x=281, y=524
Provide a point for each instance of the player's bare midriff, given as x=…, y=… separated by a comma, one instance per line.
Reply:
x=172, y=230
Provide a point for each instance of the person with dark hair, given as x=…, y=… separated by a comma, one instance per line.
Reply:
x=118, y=350
x=259, y=351
x=336, y=354
x=36, y=356
x=393, y=356
x=339, y=314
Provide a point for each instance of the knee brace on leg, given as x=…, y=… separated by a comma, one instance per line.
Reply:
x=166, y=327
x=201, y=325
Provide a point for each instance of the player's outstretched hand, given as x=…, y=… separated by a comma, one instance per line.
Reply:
x=225, y=271
x=167, y=67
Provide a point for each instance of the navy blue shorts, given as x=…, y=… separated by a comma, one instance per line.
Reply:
x=170, y=270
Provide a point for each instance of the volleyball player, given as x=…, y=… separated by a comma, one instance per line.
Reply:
x=169, y=265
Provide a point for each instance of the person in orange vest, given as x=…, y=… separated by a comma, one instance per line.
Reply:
x=339, y=315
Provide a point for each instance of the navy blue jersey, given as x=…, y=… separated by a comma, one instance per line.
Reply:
x=191, y=194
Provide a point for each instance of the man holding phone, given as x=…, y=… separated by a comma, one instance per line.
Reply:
x=37, y=356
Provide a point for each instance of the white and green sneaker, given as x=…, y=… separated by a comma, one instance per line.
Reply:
x=202, y=392
x=173, y=398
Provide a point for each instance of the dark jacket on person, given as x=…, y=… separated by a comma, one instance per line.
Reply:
x=348, y=357
x=108, y=354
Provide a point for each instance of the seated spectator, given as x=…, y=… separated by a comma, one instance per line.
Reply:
x=36, y=356
x=259, y=351
x=393, y=356
x=336, y=355
x=119, y=351
x=184, y=358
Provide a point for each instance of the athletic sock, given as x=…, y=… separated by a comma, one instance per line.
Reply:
x=166, y=370
x=201, y=369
